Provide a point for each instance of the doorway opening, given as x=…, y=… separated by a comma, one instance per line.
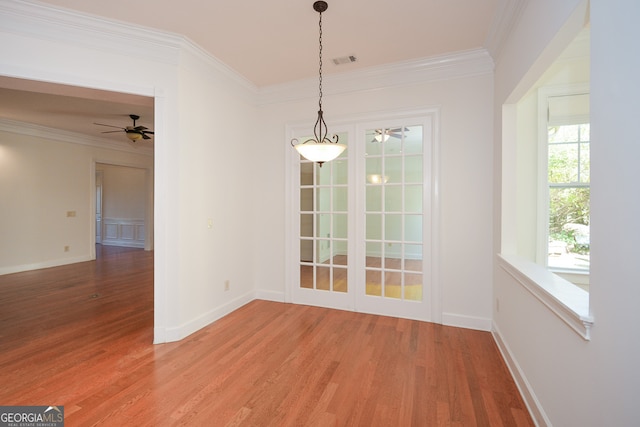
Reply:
x=123, y=206
x=53, y=151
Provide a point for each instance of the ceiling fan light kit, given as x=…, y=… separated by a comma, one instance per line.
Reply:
x=321, y=148
x=134, y=133
x=383, y=135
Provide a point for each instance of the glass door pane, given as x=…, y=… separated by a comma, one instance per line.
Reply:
x=323, y=264
x=394, y=217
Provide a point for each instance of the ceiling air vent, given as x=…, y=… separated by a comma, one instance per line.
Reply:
x=344, y=60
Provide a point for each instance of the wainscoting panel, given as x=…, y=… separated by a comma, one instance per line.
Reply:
x=123, y=232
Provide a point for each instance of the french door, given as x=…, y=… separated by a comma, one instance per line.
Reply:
x=361, y=227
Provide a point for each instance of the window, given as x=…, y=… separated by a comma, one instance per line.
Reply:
x=545, y=166
x=568, y=196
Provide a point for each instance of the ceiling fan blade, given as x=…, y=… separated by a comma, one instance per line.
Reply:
x=112, y=131
x=139, y=128
x=144, y=136
x=111, y=126
x=148, y=131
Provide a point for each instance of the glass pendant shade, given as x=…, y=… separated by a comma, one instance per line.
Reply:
x=381, y=137
x=134, y=136
x=377, y=179
x=320, y=152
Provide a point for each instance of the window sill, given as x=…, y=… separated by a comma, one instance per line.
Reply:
x=563, y=298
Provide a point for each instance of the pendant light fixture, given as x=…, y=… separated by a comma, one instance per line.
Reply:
x=322, y=148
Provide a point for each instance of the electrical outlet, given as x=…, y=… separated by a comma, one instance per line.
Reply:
x=66, y=248
x=226, y=285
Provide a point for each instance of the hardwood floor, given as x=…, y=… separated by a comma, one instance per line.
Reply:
x=80, y=336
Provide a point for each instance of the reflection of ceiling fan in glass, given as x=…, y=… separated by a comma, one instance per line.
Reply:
x=134, y=133
x=383, y=135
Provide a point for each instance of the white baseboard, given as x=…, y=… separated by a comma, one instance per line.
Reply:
x=274, y=296
x=45, y=264
x=468, y=322
x=533, y=404
x=123, y=243
x=163, y=335
x=186, y=329
x=159, y=335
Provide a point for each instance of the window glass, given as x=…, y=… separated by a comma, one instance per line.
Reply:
x=393, y=170
x=339, y=171
x=306, y=173
x=393, y=198
x=413, y=140
x=569, y=197
x=413, y=169
x=374, y=198
x=340, y=226
x=306, y=199
x=374, y=227
x=393, y=227
x=413, y=198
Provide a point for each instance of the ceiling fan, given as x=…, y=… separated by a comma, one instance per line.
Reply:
x=134, y=133
x=382, y=135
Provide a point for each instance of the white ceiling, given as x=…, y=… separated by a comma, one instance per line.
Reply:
x=268, y=42
x=276, y=41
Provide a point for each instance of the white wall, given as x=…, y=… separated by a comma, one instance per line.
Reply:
x=465, y=165
x=124, y=191
x=568, y=380
x=615, y=97
x=41, y=181
x=217, y=175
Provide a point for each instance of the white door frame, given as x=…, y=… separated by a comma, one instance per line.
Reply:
x=98, y=204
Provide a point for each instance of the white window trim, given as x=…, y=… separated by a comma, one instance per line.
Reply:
x=569, y=302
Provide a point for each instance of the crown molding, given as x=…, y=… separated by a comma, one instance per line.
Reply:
x=437, y=68
x=507, y=15
x=48, y=22
x=220, y=67
x=37, y=131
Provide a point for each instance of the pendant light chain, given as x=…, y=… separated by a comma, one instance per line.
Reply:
x=320, y=130
x=320, y=70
